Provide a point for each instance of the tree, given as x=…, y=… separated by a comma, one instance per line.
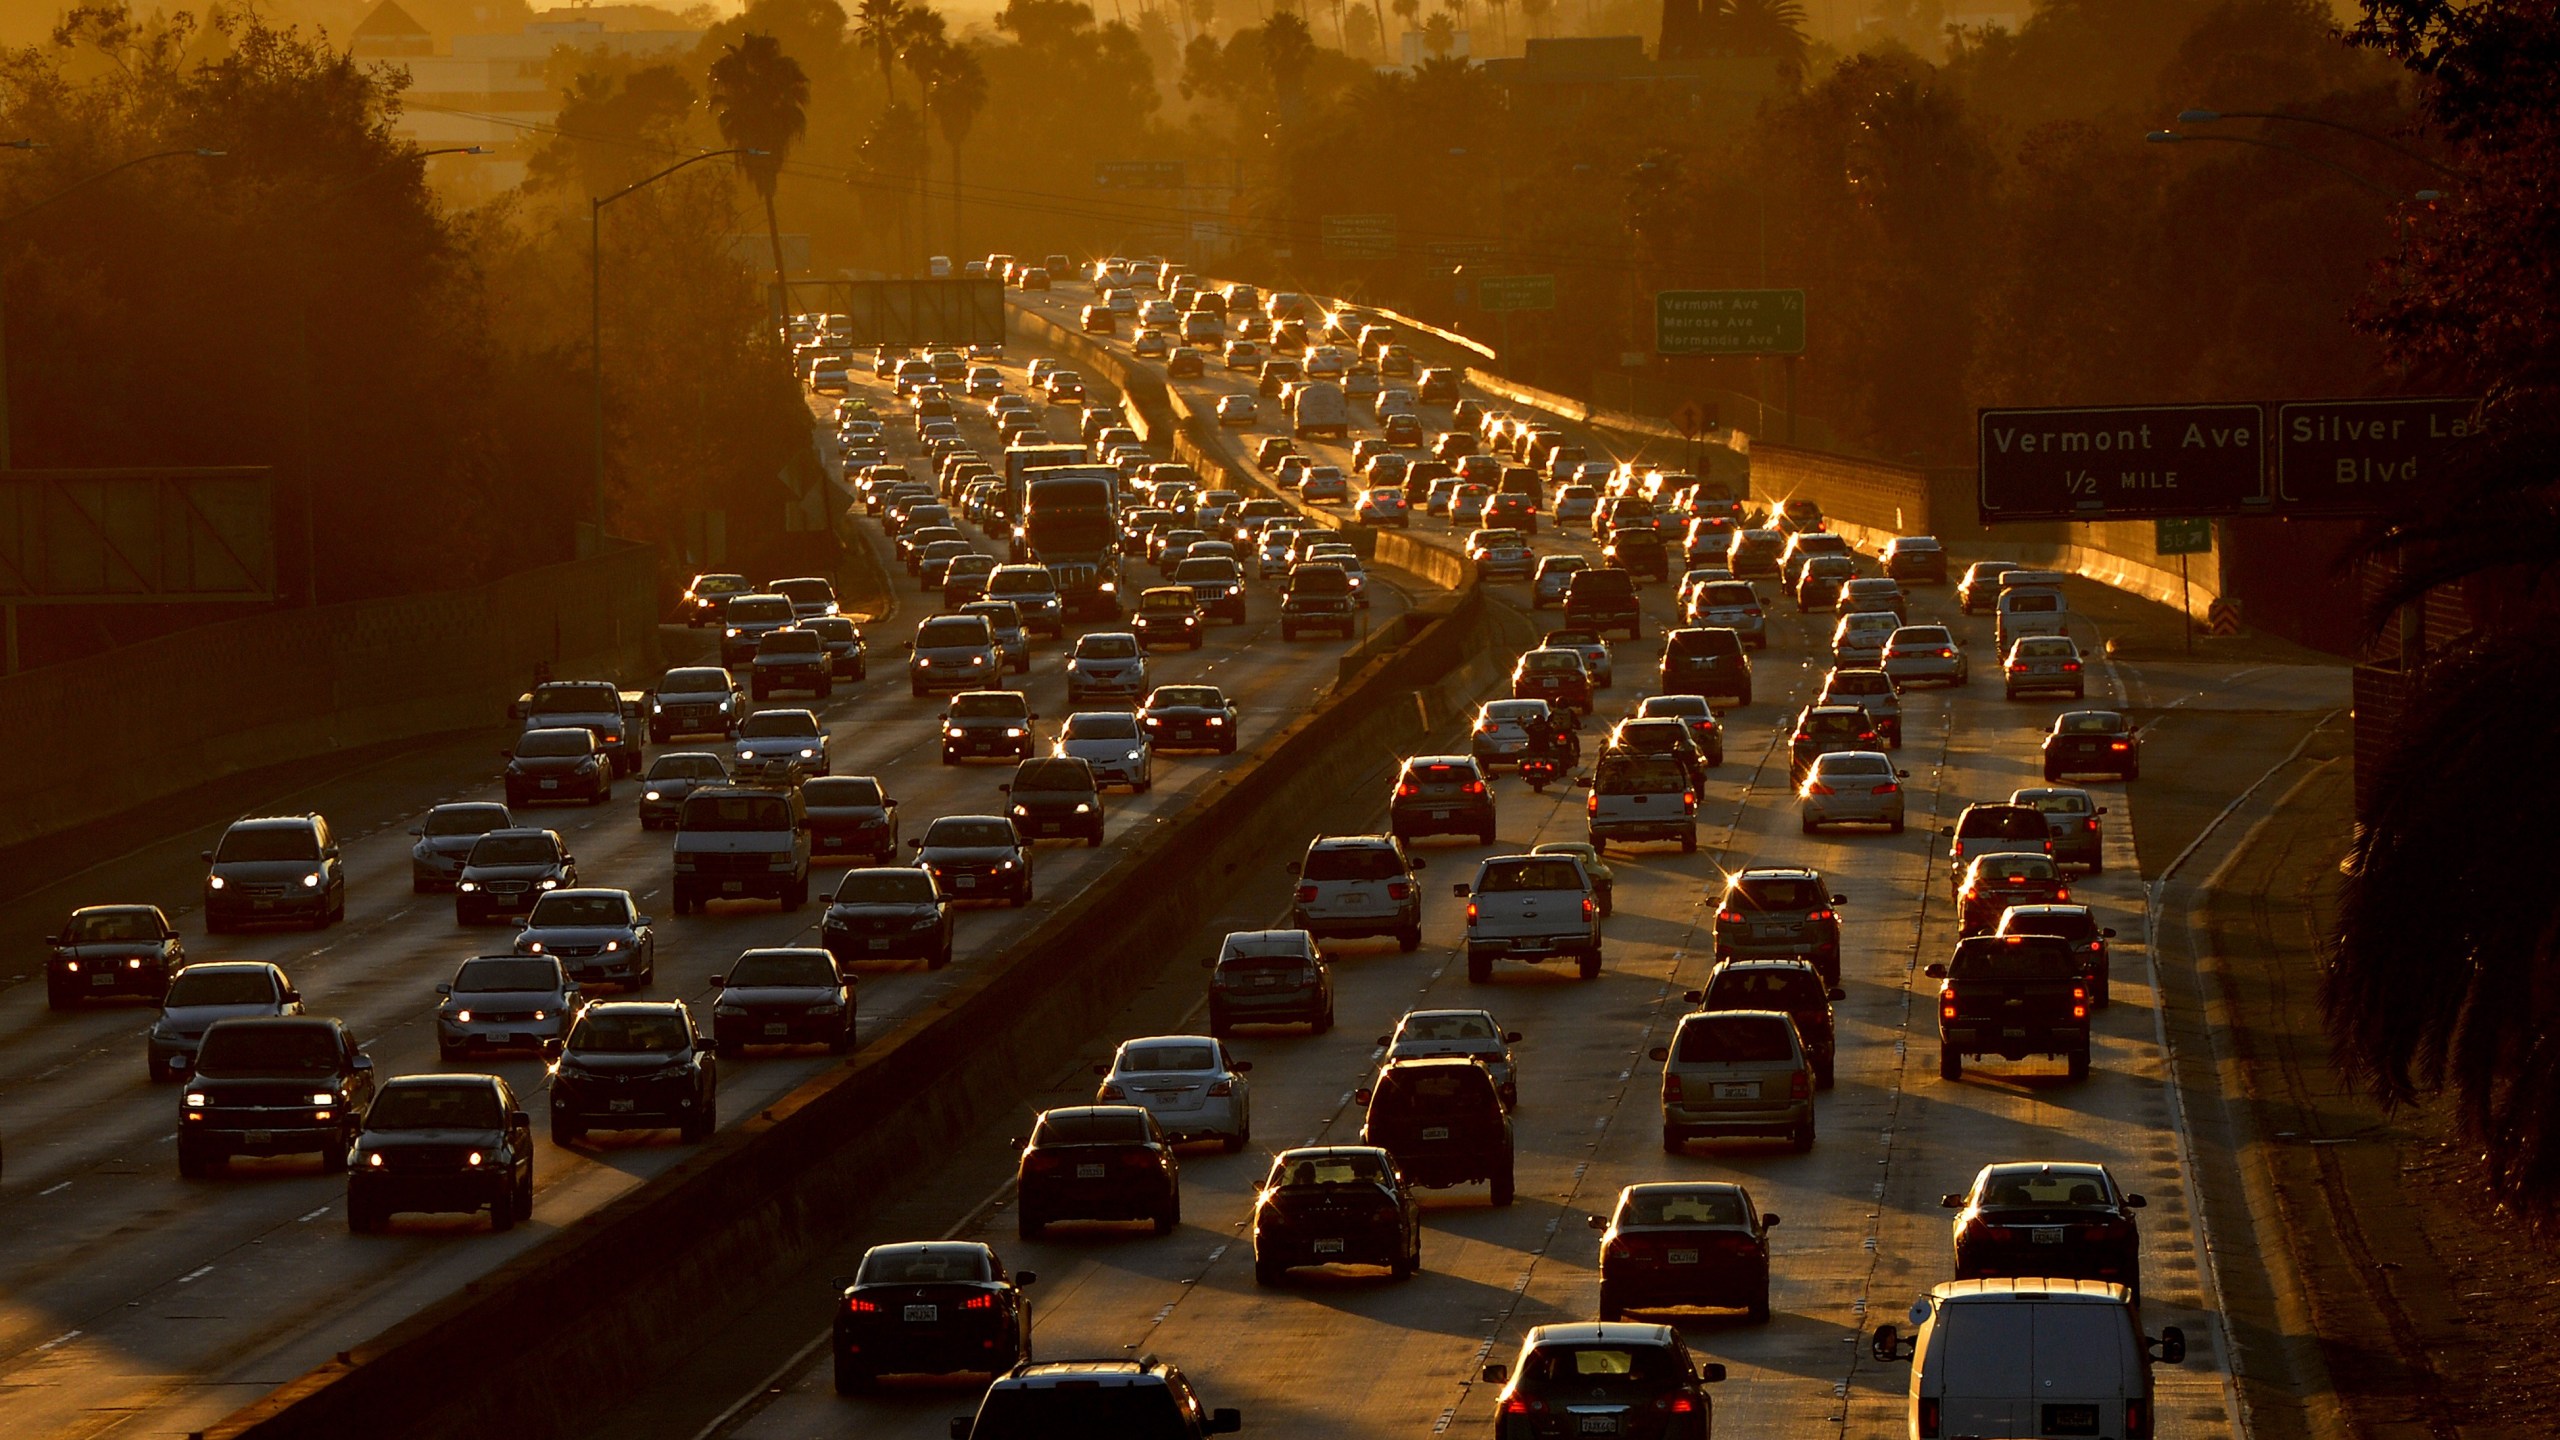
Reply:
x=880, y=26
x=1287, y=50
x=1533, y=14
x=1439, y=35
x=1204, y=13
x=955, y=93
x=1770, y=29
x=760, y=99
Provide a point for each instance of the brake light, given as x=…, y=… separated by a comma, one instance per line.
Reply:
x=2137, y=1420
x=1728, y=917
x=1306, y=894
x=2118, y=745
x=1408, y=790
x=1958, y=851
x=979, y=1302
x=1591, y=805
x=2062, y=893
x=1822, y=915
x=1800, y=1085
x=1475, y=787
x=2091, y=822
x=1928, y=1420
x=1887, y=788
x=1946, y=654
x=1396, y=890
x=859, y=1306
x=1670, y=1088
x=1041, y=1164
x=1112, y=1091
x=1471, y=912
x=1523, y=1405
x=1947, y=1003
x=1676, y=1405
x=1816, y=787
x=1139, y=1159
x=2070, y=665
x=1589, y=907
x=2079, y=1002
x=1801, y=737
x=1222, y=1088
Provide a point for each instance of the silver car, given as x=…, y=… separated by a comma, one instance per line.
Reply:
x=1113, y=744
x=207, y=991
x=1736, y=606
x=781, y=745
x=1501, y=734
x=1013, y=645
x=1195, y=1089
x=1925, y=655
x=1354, y=885
x=1871, y=690
x=1736, y=1072
x=673, y=775
x=2072, y=816
x=505, y=1002
x=1554, y=573
x=1473, y=1033
x=1858, y=641
x=1106, y=664
x=1852, y=787
x=2044, y=662
x=953, y=652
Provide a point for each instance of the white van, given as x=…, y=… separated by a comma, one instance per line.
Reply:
x=2029, y=609
x=1318, y=408
x=938, y=266
x=2030, y=1357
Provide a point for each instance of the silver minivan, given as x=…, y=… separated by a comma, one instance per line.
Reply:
x=2030, y=1357
x=1736, y=1072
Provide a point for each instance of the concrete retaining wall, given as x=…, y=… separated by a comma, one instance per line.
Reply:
x=176, y=712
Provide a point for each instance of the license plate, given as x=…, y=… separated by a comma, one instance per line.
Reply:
x=733, y=887
x=2045, y=1234
x=965, y=882
x=262, y=904
x=1435, y=1132
x=925, y=1314
x=878, y=944
x=1766, y=931
x=1088, y=1172
x=1328, y=1247
x=1357, y=897
x=1439, y=814
x=1599, y=1424
x=1684, y=1257
x=1048, y=827
x=260, y=1137
x=776, y=1028
x=550, y=784
x=1266, y=980
x=1738, y=1090
x=620, y=1107
x=103, y=977
x=2018, y=1033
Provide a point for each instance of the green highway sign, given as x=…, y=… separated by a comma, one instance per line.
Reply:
x=1137, y=175
x=1728, y=322
x=1360, y=236
x=1450, y=254
x=2181, y=537
x=1516, y=292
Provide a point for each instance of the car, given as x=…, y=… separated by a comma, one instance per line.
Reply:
x=557, y=763
x=1820, y=581
x=2064, y=1219
x=1169, y=615
x=1327, y=1205
x=1056, y=797
x=1575, y=505
x=1638, y=551
x=1637, y=1380
x=1804, y=546
x=1533, y=908
x=1034, y=592
x=1792, y=986
x=987, y=724
x=1554, y=573
x=1706, y=733
x=599, y=935
x=2071, y=819
x=1754, y=554
x=673, y=775
x=1384, y=505
x=2043, y=663
x=1707, y=661
x=273, y=1085
x=1096, y=1162
x=1663, y=736
x=1192, y=1085
x=1993, y=883
x=1142, y=1399
x=1594, y=651
x=1872, y=690
x=1237, y=409
x=1917, y=559
x=634, y=1065
x=1151, y=345
x=784, y=995
x=1852, y=787
x=1991, y=829
x=976, y=857
x=1323, y=483
x=1190, y=717
x=707, y=596
x=1473, y=1034
x=747, y=619
x=1352, y=886
x=441, y=1143
x=2093, y=742
x=1269, y=977
x=1678, y=1244
x=1467, y=502
x=1788, y=912
x=965, y=579
x=1501, y=732
x=695, y=700
x=500, y=1002
x=1441, y=795
x=782, y=747
x=1822, y=729
x=933, y=566
x=1005, y=624
x=508, y=870
x=928, y=1308
x=1876, y=594
x=1555, y=677
x=850, y=817
x=275, y=867
x=1925, y=655
x=1980, y=588
x=888, y=913
x=110, y=952
x=1736, y=1073
x=205, y=992
x=1499, y=553
x=1603, y=598
x=1443, y=1119
x=2076, y=924
x=1112, y=744
x=445, y=837
x=810, y=595
x=1859, y=639
x=1269, y=451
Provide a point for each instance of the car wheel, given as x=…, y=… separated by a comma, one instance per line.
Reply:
x=1502, y=1185
x=1485, y=836
x=2079, y=1063
x=502, y=1209
x=1267, y=1273
x=1610, y=1309
x=699, y=1127
x=1950, y=1064
x=1169, y=1217
x=1220, y=1027
x=1802, y=1140
x=2097, y=864
x=1759, y=1308
x=1479, y=968
x=850, y=1379
x=1822, y=1072
x=1591, y=964
x=420, y=885
x=193, y=1161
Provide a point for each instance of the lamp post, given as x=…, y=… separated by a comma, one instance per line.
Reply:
x=2177, y=137
x=595, y=313
x=2208, y=117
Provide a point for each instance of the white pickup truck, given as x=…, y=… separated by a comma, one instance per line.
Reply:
x=1534, y=908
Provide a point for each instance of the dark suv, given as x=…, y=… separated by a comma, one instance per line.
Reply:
x=442, y=1143
x=1792, y=986
x=1442, y=795
x=1604, y=598
x=1056, y=798
x=1141, y=1399
x=987, y=723
x=293, y=1084
x=1096, y=1162
x=633, y=1065
x=792, y=659
x=282, y=867
x=112, y=950
x=1784, y=913
x=1442, y=1118
x=1706, y=661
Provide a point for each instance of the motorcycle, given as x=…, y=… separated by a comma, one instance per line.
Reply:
x=1540, y=771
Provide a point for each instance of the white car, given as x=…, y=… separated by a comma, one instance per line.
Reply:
x=1859, y=639
x=1042, y=369
x=1925, y=655
x=1195, y=1089
x=1106, y=662
x=1111, y=742
x=1237, y=410
x=1323, y=482
x=1473, y=1033
x=1271, y=556
x=1243, y=355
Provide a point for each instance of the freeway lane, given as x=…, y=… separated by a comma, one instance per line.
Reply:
x=151, y=1306
x=1862, y=1232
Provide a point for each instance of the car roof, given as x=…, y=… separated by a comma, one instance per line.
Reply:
x=1100, y=1112
x=2081, y=1292
x=1763, y=962
x=1310, y=1152
x=1599, y=1332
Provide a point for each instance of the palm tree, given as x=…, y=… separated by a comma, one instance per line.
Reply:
x=1203, y=13
x=1288, y=48
x=1501, y=21
x=1533, y=13
x=760, y=98
x=880, y=26
x=1770, y=28
x=1406, y=10
x=954, y=95
x=1439, y=34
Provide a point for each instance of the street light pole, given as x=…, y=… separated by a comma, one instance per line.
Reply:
x=2175, y=137
x=595, y=316
x=2208, y=117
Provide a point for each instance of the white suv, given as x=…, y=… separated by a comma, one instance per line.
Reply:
x=1355, y=885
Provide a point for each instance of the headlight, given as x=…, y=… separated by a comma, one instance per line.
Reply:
x=955, y=732
x=198, y=1098
x=1005, y=865
x=1083, y=809
x=541, y=1014
x=533, y=948
x=746, y=754
x=472, y=1159
x=1137, y=754
x=468, y=886
x=649, y=795
x=977, y=659
x=1021, y=809
x=1013, y=732
x=1107, y=587
x=373, y=1161
x=924, y=662
x=808, y=753
x=611, y=947
x=550, y=884
x=731, y=632
x=214, y=883
x=462, y=1017
x=324, y=1098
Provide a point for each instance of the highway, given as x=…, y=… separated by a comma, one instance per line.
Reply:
x=149, y=1305
x=1862, y=1232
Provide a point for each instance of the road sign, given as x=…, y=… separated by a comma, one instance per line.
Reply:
x=1694, y=418
x=2360, y=457
x=1359, y=236
x=1137, y=175
x=2122, y=462
x=1728, y=322
x=2181, y=537
x=1450, y=254
x=104, y=537
x=1516, y=292
x=2223, y=617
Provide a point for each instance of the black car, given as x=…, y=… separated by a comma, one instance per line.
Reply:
x=1668, y=738
x=2044, y=1218
x=987, y=724
x=507, y=871
x=1442, y=795
x=673, y=775
x=1443, y=1119
x=1637, y=1381
x=976, y=857
x=1189, y=717
x=1781, y=912
x=278, y=867
x=557, y=763
x=937, y=1307
x=1792, y=986
x=1335, y=1205
x=1604, y=598
x=1707, y=661
x=1096, y=1162
x=2075, y=923
x=1119, y=1398
x=1218, y=582
x=1056, y=798
x=708, y=597
x=633, y=1065
x=888, y=913
x=1684, y=1243
x=1556, y=676
x=1269, y=977
x=1824, y=729
x=111, y=950
x=1638, y=550
x=290, y=1085
x=695, y=700
x=792, y=658
x=850, y=818
x=441, y=1143
x=2093, y=742
x=787, y=995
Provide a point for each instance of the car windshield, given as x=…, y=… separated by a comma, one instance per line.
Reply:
x=1506, y=876
x=784, y=967
x=1778, y=893
x=1605, y=1367
x=923, y=1265
x=217, y=985
x=989, y=705
x=2044, y=1185
x=1184, y=1056
x=1053, y=776
x=436, y=1105
x=2091, y=722
x=734, y=811
x=502, y=848
x=1996, y=869
x=688, y=765
x=1206, y=697
x=507, y=973
x=969, y=833
x=548, y=743
x=2050, y=647
x=1682, y=1207
x=464, y=819
x=1096, y=725
x=630, y=1032
x=114, y=926
x=790, y=642
x=719, y=584
x=1736, y=1039
x=1088, y=1128
x=1110, y=647
x=269, y=842
x=759, y=609
x=575, y=910
x=1674, y=707
x=779, y=724
x=841, y=791
x=2007, y=958
x=288, y=1049
x=1514, y=712
x=1558, y=661
x=1352, y=1169
x=885, y=887
x=957, y=632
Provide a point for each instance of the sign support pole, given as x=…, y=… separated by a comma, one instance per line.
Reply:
x=2186, y=605
x=9, y=621
x=1791, y=399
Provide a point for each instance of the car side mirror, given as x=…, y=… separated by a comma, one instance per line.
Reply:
x=1595, y=1222
x=1839, y=899
x=707, y=1045
x=1243, y=1067
x=2171, y=1347
x=292, y=995
x=444, y=989
x=1947, y=830
x=1902, y=774
x=1951, y=1202
x=1660, y=1052
x=915, y=845
x=1496, y=1374
x=1836, y=992
x=1006, y=787
x=1293, y=867
x=1936, y=972
x=960, y=1427
x=1768, y=1221
x=1361, y=1095
x=2102, y=810
x=1459, y=890
x=2135, y=1202
x=718, y=981
x=1510, y=1037
x=362, y=1062
x=1888, y=1344
x=205, y=855
x=1712, y=1372
x=640, y=921
x=518, y=1117
x=1693, y=997
x=1022, y=1278
x=1417, y=863
x=1225, y=1420
x=419, y=830
x=551, y=1049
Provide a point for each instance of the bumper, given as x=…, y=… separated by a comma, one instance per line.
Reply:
x=890, y=1349
x=1673, y=827
x=1440, y=819
x=238, y=1135
x=439, y=1193
x=976, y=746
x=1534, y=948
x=312, y=904
x=434, y=875
x=1363, y=1243
x=1190, y=737
x=1840, y=811
x=1141, y=1198
x=607, y=1111
x=962, y=677
x=738, y=1030
x=2013, y=1042
x=500, y=1034
x=112, y=977
x=1708, y=1282
x=1439, y=1169
x=733, y=887
x=1749, y=1118
x=172, y=1057
x=1933, y=672
x=1105, y=687
x=1267, y=1007
x=1352, y=927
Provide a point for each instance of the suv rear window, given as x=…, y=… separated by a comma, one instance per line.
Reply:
x=1774, y=893
x=1052, y=775
x=1729, y=1039
x=1986, y=957
x=1440, y=1090
x=1703, y=642
x=1079, y=1411
x=2001, y=822
x=2069, y=924
x=1509, y=875
x=1352, y=862
x=1752, y=988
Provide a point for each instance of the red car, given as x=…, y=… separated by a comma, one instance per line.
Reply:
x=1993, y=883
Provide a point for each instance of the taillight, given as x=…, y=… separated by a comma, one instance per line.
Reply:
x=1822, y=915
x=1818, y=788
x=1947, y=1003
x=1590, y=907
x=1676, y=1405
x=1887, y=788
x=2091, y=822
x=1471, y=912
x=1928, y=1420
x=2079, y=1002
x=1523, y=1405
x=1396, y=890
x=1408, y=790
x=1958, y=852
x=979, y=1302
x=2137, y=1420
x=1670, y=1088
x=1591, y=805
x=1800, y=1085
x=1141, y=1159
x=2070, y=665
x=1041, y=1164
x=2118, y=745
x=1112, y=1091
x=1306, y=894
x=1475, y=787
x=859, y=1306
x=1801, y=737
x=1222, y=1089
x=1728, y=917
x=2062, y=893
x=1946, y=654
